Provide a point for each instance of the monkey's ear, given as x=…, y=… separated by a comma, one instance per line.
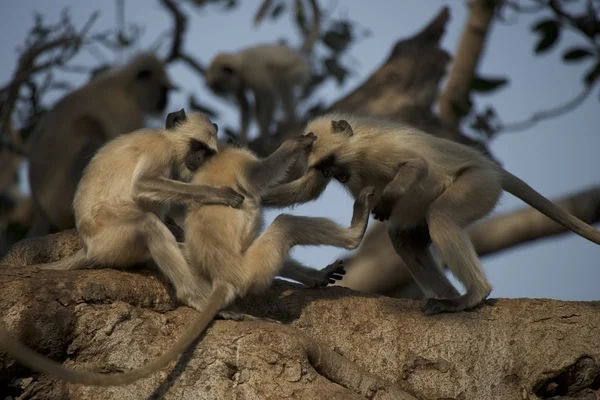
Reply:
x=342, y=126
x=216, y=127
x=175, y=118
x=144, y=74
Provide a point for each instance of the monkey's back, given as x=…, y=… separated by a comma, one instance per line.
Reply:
x=90, y=115
x=278, y=59
x=105, y=190
x=217, y=235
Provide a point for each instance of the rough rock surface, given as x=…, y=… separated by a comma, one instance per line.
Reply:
x=111, y=321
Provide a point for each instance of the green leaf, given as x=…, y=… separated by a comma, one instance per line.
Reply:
x=486, y=85
x=550, y=31
x=277, y=10
x=575, y=54
x=593, y=74
x=339, y=36
x=339, y=73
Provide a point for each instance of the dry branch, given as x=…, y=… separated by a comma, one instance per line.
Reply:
x=180, y=26
x=464, y=68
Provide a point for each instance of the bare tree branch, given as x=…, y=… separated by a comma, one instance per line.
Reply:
x=179, y=29
x=547, y=114
x=468, y=54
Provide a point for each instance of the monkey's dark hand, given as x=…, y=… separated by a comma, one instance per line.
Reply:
x=232, y=198
x=383, y=209
x=333, y=272
x=306, y=141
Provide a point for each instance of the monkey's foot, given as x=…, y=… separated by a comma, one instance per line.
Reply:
x=331, y=273
x=383, y=209
x=461, y=303
x=237, y=316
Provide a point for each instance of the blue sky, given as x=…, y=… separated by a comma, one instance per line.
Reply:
x=556, y=157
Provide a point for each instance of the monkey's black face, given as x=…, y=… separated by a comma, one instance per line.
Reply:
x=330, y=169
x=198, y=153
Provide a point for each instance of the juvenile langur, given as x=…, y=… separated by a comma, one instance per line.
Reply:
x=224, y=246
x=112, y=103
x=241, y=264
x=270, y=71
x=430, y=189
x=119, y=205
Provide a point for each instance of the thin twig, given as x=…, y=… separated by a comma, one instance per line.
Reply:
x=178, y=30
x=547, y=114
x=177, y=52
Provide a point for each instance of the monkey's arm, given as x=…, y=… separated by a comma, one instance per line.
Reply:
x=150, y=185
x=411, y=170
x=308, y=187
x=273, y=169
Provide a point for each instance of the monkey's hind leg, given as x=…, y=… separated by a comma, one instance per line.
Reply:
x=167, y=254
x=267, y=255
x=468, y=199
x=413, y=247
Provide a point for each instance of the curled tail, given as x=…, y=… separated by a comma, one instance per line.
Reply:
x=523, y=191
x=37, y=362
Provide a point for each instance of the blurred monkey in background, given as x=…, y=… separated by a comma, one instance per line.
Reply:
x=114, y=102
x=270, y=72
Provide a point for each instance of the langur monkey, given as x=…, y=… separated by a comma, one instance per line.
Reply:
x=430, y=189
x=270, y=72
x=225, y=248
x=236, y=262
x=119, y=205
x=113, y=103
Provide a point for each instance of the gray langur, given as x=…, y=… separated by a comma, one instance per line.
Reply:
x=119, y=205
x=113, y=103
x=430, y=189
x=225, y=248
x=270, y=71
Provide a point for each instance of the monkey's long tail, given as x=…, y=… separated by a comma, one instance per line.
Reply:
x=75, y=261
x=37, y=362
x=523, y=191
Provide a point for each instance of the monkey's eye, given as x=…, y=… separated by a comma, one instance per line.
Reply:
x=196, y=145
